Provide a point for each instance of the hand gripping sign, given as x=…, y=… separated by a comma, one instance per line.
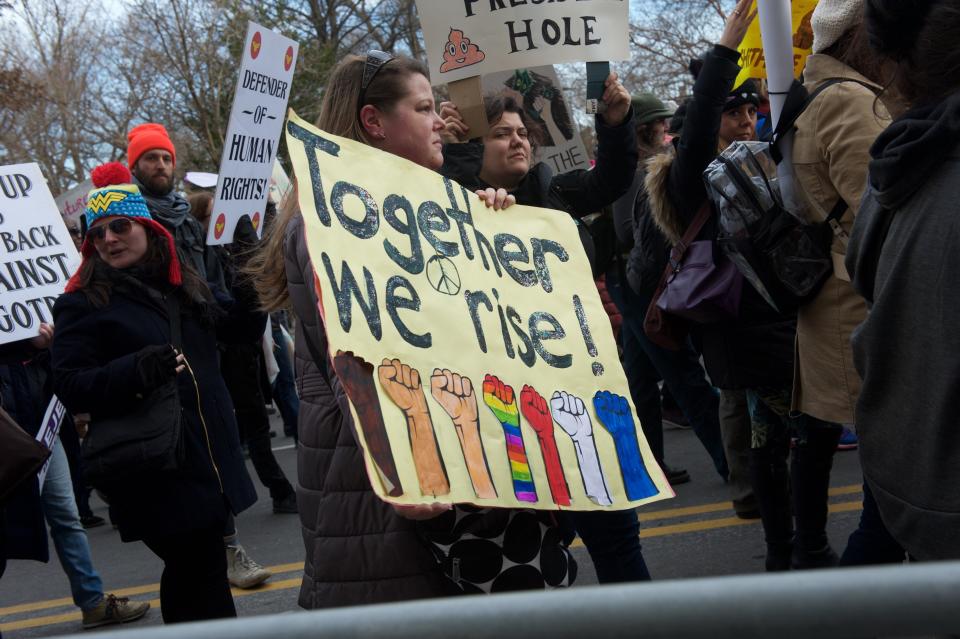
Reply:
x=478, y=360
x=253, y=133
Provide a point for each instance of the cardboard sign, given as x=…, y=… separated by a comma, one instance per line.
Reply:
x=477, y=37
x=479, y=362
x=280, y=184
x=752, y=58
x=253, y=133
x=49, y=429
x=37, y=255
x=539, y=91
x=73, y=202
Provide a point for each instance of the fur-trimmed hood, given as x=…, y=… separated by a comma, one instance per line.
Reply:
x=664, y=213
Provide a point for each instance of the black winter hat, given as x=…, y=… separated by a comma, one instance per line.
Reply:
x=746, y=93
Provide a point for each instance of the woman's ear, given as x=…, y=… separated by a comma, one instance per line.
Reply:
x=371, y=119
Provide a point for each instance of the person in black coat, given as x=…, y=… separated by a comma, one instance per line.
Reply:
x=113, y=346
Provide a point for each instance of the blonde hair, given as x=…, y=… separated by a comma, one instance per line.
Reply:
x=339, y=116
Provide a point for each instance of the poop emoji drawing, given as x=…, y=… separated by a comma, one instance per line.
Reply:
x=459, y=52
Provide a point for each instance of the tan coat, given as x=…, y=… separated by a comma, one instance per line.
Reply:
x=830, y=157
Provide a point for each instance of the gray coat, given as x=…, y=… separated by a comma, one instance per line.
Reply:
x=358, y=550
x=904, y=260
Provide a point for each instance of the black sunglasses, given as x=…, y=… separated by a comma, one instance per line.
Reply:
x=119, y=226
x=375, y=60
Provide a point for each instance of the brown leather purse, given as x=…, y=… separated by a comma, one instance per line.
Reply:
x=22, y=455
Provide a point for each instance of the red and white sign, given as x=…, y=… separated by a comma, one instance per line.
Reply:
x=253, y=134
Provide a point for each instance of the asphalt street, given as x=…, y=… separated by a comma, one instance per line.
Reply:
x=693, y=535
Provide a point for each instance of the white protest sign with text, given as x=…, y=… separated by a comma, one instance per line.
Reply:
x=37, y=255
x=539, y=90
x=253, y=134
x=72, y=203
x=465, y=38
x=49, y=429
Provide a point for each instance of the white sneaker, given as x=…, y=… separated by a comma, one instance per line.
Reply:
x=243, y=572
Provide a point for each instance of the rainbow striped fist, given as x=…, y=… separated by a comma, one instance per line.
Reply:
x=501, y=399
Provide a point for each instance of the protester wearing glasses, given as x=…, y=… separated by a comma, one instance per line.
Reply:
x=114, y=346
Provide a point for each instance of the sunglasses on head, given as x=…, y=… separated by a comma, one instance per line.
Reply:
x=119, y=226
x=375, y=60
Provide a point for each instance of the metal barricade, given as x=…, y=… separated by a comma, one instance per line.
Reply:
x=918, y=600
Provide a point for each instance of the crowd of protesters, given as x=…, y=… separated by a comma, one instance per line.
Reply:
x=154, y=316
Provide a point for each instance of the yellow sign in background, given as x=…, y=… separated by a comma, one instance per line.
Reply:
x=751, y=49
x=479, y=362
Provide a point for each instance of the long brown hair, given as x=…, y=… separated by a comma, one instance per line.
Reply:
x=338, y=115
x=853, y=49
x=95, y=278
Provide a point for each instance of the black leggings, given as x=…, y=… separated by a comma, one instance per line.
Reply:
x=194, y=584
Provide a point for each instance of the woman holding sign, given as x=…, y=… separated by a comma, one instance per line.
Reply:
x=381, y=556
x=505, y=159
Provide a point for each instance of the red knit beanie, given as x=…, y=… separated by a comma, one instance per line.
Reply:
x=147, y=137
x=115, y=196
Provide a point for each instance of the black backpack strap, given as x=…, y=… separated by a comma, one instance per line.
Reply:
x=796, y=104
x=836, y=213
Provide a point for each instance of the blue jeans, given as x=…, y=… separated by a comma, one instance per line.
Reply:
x=612, y=538
x=284, y=390
x=69, y=537
x=645, y=364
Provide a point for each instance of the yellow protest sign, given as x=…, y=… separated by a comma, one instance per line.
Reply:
x=751, y=49
x=478, y=360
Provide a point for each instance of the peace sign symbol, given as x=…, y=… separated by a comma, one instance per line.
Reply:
x=443, y=275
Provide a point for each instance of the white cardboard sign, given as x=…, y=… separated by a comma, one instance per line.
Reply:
x=73, y=202
x=49, y=429
x=539, y=90
x=37, y=255
x=253, y=133
x=465, y=38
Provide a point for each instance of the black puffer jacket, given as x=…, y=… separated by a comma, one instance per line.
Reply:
x=359, y=551
x=95, y=372
x=756, y=349
x=579, y=192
